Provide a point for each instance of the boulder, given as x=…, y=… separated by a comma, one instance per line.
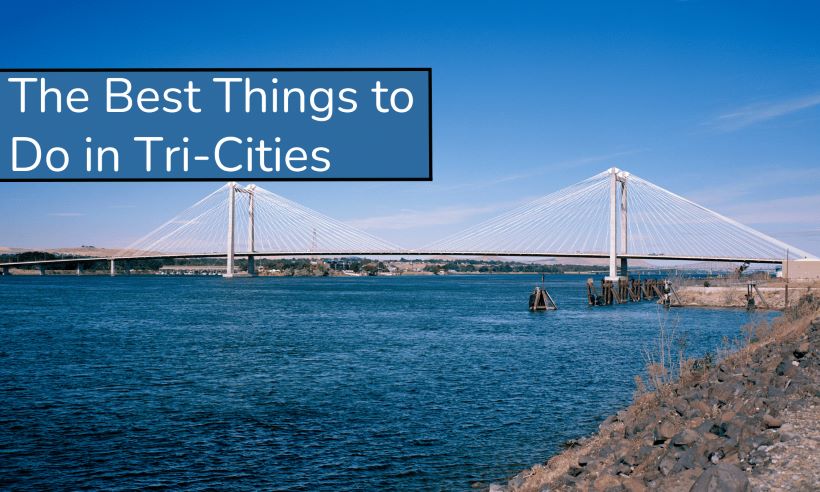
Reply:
x=786, y=368
x=606, y=483
x=680, y=482
x=723, y=477
x=801, y=350
x=631, y=484
x=681, y=406
x=668, y=463
x=725, y=392
x=664, y=431
x=771, y=421
x=685, y=438
x=699, y=408
x=585, y=460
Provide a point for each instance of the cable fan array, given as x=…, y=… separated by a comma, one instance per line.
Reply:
x=571, y=221
x=665, y=224
x=280, y=226
x=576, y=220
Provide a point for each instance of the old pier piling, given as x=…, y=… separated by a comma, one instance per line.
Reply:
x=630, y=290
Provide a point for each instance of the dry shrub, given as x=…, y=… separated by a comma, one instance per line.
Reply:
x=664, y=358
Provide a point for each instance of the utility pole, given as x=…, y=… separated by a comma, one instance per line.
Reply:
x=786, y=273
x=231, y=200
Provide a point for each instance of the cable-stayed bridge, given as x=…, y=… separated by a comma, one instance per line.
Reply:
x=613, y=215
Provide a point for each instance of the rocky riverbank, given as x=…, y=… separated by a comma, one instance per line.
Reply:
x=748, y=422
x=770, y=294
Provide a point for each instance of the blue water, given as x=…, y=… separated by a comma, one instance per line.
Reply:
x=389, y=383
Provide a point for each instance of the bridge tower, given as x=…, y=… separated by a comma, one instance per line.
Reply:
x=249, y=190
x=251, y=248
x=617, y=177
x=231, y=213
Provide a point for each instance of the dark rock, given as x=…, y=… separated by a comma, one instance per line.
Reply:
x=570, y=443
x=759, y=458
x=606, y=483
x=631, y=484
x=685, y=438
x=723, y=477
x=631, y=459
x=705, y=426
x=686, y=461
x=644, y=452
x=651, y=475
x=725, y=392
x=516, y=482
x=681, y=406
x=772, y=422
x=567, y=481
x=726, y=416
x=699, y=408
x=775, y=392
x=700, y=454
x=574, y=471
x=605, y=451
x=785, y=368
x=620, y=469
x=585, y=460
x=664, y=431
x=801, y=350
x=667, y=464
x=762, y=439
x=733, y=428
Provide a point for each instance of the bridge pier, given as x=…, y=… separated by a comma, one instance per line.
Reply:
x=6, y=270
x=42, y=269
x=112, y=268
x=79, y=268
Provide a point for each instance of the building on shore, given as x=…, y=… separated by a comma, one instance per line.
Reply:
x=804, y=269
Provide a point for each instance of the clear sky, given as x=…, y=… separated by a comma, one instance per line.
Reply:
x=716, y=101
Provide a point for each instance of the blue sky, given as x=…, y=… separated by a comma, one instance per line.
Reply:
x=716, y=101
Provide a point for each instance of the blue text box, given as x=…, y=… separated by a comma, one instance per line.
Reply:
x=215, y=124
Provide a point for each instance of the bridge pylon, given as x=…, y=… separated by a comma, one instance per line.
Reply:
x=618, y=177
x=231, y=221
x=251, y=248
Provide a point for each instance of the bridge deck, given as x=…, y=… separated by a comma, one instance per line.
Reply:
x=280, y=254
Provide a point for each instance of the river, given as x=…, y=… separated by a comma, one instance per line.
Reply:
x=385, y=383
